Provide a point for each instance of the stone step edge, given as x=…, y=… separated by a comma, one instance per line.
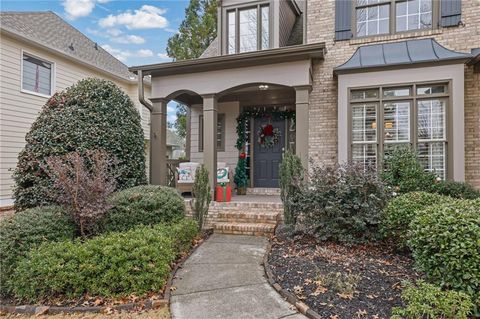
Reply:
x=262, y=227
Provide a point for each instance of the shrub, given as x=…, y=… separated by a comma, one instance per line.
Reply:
x=143, y=205
x=28, y=229
x=92, y=114
x=82, y=186
x=456, y=190
x=113, y=265
x=201, y=196
x=401, y=210
x=404, y=173
x=430, y=302
x=291, y=176
x=445, y=244
x=342, y=203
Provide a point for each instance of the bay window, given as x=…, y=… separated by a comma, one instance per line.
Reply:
x=248, y=29
x=377, y=17
x=409, y=115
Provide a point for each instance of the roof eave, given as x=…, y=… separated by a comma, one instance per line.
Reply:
x=277, y=55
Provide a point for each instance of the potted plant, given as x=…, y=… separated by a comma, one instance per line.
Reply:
x=241, y=179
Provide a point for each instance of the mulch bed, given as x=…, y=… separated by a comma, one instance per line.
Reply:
x=339, y=281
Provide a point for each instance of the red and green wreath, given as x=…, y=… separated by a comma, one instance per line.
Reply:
x=268, y=136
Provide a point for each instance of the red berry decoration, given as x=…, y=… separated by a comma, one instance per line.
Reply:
x=243, y=155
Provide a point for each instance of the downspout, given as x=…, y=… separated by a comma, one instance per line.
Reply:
x=149, y=106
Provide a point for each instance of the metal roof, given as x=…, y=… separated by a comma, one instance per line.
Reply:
x=49, y=30
x=408, y=52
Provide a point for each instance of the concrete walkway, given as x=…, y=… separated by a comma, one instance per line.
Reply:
x=223, y=279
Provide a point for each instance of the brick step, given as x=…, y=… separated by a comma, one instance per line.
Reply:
x=247, y=206
x=252, y=229
x=248, y=217
x=263, y=191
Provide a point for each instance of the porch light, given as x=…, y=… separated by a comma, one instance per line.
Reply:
x=263, y=87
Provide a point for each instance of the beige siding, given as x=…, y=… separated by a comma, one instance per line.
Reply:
x=286, y=21
x=230, y=155
x=18, y=110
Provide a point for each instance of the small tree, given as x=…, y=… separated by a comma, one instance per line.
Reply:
x=201, y=196
x=291, y=175
x=82, y=184
x=241, y=178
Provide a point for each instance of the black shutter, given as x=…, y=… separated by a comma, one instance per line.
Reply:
x=451, y=12
x=343, y=19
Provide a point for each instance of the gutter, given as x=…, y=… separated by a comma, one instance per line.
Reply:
x=141, y=92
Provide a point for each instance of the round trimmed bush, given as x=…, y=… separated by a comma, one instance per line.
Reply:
x=143, y=205
x=28, y=229
x=92, y=114
x=400, y=211
x=445, y=243
x=112, y=265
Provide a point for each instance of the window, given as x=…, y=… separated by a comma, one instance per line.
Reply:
x=220, y=133
x=376, y=17
x=414, y=115
x=248, y=29
x=36, y=75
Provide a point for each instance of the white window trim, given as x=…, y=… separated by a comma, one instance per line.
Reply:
x=53, y=74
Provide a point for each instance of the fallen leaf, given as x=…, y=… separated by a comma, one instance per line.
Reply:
x=173, y=288
x=361, y=313
x=345, y=296
x=319, y=290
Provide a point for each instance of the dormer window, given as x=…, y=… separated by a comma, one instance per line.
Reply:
x=248, y=29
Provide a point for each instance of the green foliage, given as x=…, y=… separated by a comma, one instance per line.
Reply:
x=143, y=205
x=400, y=211
x=291, y=176
x=445, y=243
x=202, y=196
x=196, y=32
x=92, y=114
x=180, y=124
x=456, y=190
x=116, y=264
x=341, y=203
x=28, y=229
x=241, y=178
x=427, y=301
x=404, y=173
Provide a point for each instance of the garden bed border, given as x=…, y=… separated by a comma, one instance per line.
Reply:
x=139, y=305
x=290, y=297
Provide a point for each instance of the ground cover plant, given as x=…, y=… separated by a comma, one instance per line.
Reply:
x=116, y=264
x=92, y=114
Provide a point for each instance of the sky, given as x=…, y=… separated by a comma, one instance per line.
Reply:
x=134, y=31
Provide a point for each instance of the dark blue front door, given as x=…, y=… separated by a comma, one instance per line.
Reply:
x=266, y=160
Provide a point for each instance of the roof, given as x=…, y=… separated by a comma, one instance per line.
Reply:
x=408, y=52
x=49, y=30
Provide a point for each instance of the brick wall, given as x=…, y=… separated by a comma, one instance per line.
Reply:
x=323, y=99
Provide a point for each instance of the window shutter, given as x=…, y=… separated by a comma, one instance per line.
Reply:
x=343, y=19
x=451, y=12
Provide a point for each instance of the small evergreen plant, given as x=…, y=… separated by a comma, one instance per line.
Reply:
x=241, y=179
x=291, y=175
x=201, y=196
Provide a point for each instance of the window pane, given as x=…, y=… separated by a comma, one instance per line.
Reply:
x=432, y=157
x=364, y=123
x=365, y=154
x=431, y=89
x=392, y=92
x=396, y=122
x=232, y=45
x=373, y=20
x=413, y=14
x=248, y=30
x=431, y=120
x=37, y=75
x=265, y=27
x=364, y=94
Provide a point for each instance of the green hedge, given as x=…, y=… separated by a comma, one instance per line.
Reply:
x=28, y=229
x=143, y=205
x=92, y=114
x=445, y=243
x=456, y=190
x=116, y=264
x=400, y=211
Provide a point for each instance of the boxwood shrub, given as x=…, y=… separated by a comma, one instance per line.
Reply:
x=112, y=265
x=445, y=245
x=92, y=114
x=143, y=205
x=400, y=211
x=27, y=229
x=456, y=189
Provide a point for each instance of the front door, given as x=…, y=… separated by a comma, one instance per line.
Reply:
x=267, y=151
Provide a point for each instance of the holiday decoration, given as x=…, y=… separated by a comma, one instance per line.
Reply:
x=268, y=136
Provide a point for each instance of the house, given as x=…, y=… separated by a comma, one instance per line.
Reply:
x=41, y=54
x=332, y=81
